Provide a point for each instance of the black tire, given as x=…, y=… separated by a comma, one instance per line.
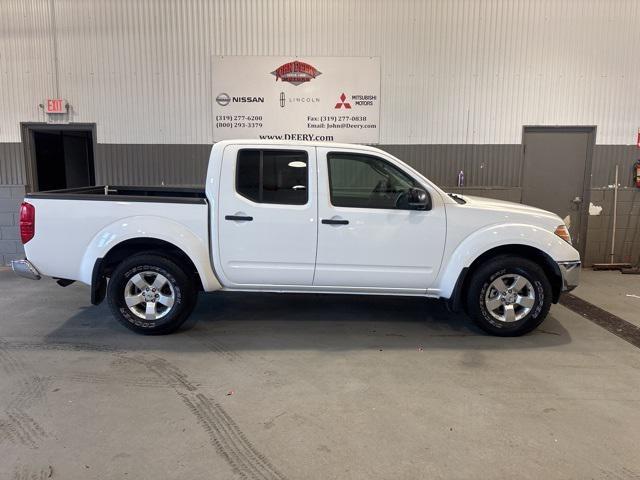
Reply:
x=180, y=288
x=506, y=267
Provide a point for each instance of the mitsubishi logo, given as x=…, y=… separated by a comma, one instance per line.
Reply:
x=342, y=102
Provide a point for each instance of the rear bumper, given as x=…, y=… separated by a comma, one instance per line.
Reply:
x=570, y=272
x=25, y=268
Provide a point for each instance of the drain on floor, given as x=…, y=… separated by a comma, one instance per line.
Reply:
x=614, y=324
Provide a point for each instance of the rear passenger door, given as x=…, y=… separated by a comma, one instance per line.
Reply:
x=267, y=209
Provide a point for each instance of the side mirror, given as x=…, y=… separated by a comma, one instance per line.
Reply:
x=419, y=199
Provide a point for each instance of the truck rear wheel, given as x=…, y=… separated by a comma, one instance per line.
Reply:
x=509, y=296
x=151, y=294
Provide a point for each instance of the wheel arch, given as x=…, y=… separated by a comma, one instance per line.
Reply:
x=104, y=266
x=541, y=258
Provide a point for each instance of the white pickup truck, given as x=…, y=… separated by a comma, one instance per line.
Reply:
x=299, y=217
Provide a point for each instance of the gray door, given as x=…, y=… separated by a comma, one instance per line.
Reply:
x=556, y=161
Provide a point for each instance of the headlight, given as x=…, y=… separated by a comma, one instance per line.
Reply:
x=563, y=232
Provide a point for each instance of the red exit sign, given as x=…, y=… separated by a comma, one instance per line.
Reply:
x=55, y=105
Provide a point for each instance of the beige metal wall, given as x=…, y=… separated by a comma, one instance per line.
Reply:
x=453, y=71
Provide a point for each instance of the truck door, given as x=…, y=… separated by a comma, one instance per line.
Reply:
x=368, y=237
x=267, y=210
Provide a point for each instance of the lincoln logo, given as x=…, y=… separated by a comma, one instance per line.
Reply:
x=296, y=72
x=342, y=102
x=282, y=99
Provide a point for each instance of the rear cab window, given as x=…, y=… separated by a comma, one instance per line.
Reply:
x=273, y=176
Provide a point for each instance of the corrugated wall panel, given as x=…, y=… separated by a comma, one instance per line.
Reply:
x=483, y=165
x=12, y=164
x=27, y=66
x=452, y=72
x=143, y=164
x=605, y=159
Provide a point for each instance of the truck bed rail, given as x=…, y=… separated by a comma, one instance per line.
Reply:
x=126, y=193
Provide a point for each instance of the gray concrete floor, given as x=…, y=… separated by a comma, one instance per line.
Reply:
x=323, y=388
x=612, y=291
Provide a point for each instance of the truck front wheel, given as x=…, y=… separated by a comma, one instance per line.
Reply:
x=151, y=294
x=509, y=296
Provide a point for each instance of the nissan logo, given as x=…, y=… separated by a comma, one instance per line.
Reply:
x=223, y=99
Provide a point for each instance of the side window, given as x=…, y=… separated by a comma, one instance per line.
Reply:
x=273, y=176
x=365, y=181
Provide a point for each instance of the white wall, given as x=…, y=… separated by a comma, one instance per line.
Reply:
x=461, y=72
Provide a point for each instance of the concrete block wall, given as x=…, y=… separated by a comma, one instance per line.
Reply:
x=627, y=248
x=10, y=246
x=599, y=227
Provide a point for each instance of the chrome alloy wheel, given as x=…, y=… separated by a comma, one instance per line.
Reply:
x=510, y=298
x=149, y=295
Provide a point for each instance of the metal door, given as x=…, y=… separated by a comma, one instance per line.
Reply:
x=557, y=161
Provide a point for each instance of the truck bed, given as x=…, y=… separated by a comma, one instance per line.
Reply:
x=126, y=193
x=80, y=225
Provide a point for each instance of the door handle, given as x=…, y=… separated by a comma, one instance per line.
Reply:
x=237, y=218
x=332, y=221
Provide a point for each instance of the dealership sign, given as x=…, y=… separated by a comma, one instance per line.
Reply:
x=290, y=98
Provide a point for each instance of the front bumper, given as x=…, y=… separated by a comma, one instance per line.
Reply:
x=570, y=272
x=25, y=269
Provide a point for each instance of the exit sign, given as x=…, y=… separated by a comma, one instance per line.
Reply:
x=55, y=105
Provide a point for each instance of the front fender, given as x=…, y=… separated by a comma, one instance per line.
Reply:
x=194, y=244
x=494, y=236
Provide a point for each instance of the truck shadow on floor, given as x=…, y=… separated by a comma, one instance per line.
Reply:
x=265, y=321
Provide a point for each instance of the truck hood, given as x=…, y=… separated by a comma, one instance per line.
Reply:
x=503, y=204
x=511, y=209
